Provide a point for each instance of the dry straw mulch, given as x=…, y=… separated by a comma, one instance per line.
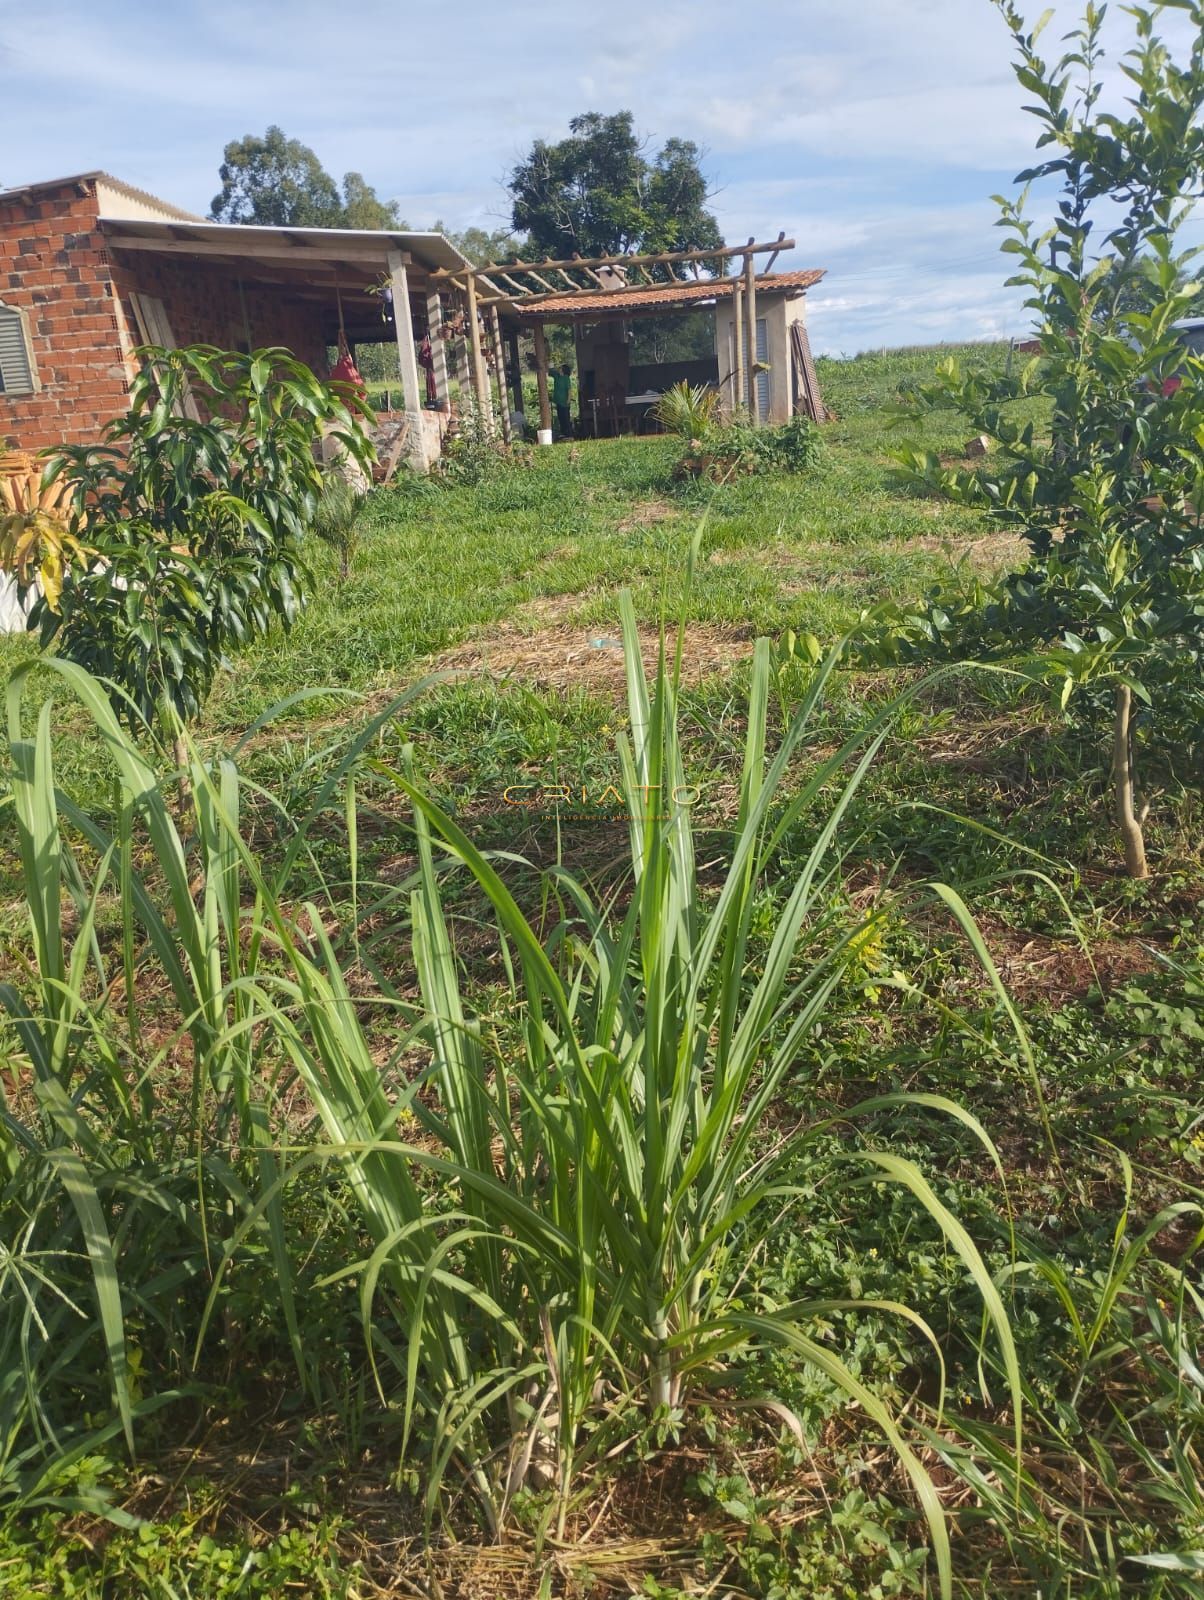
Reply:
x=542, y=646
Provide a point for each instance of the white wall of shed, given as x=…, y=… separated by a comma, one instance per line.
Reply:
x=779, y=315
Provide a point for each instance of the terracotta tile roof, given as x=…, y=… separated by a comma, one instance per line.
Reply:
x=662, y=296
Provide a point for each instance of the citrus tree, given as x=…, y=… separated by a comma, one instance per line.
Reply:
x=1097, y=451
x=191, y=516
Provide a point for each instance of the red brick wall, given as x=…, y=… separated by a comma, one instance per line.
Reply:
x=203, y=306
x=53, y=267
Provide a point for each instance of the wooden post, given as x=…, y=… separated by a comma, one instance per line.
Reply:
x=480, y=383
x=407, y=359
x=750, y=312
x=434, y=324
x=499, y=365
x=541, y=377
x=737, y=347
x=516, y=374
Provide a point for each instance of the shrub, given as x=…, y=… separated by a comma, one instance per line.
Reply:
x=793, y=446
x=477, y=451
x=729, y=449
x=193, y=527
x=1110, y=606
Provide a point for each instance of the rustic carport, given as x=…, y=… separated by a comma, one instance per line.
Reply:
x=599, y=297
x=180, y=282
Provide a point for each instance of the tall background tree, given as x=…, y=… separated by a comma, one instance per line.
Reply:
x=483, y=244
x=598, y=193
x=279, y=182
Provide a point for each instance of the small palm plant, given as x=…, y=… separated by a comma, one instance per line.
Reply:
x=692, y=413
x=688, y=410
x=337, y=518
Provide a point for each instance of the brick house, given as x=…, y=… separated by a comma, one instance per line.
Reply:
x=91, y=267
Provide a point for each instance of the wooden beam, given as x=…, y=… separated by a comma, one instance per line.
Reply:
x=768, y=267
x=584, y=266
x=480, y=385
x=499, y=367
x=516, y=372
x=721, y=253
x=363, y=297
x=289, y=274
x=474, y=281
x=543, y=283
x=151, y=316
x=255, y=250
x=320, y=283
x=541, y=377
x=434, y=326
x=737, y=346
x=407, y=358
x=124, y=338
x=750, y=312
x=394, y=455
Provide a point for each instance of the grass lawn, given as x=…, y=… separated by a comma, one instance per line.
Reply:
x=506, y=590
x=545, y=549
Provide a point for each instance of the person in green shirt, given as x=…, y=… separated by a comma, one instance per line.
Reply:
x=562, y=389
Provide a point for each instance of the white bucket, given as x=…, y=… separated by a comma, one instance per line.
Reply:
x=544, y=435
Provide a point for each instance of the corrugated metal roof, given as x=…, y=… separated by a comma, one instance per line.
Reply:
x=431, y=249
x=661, y=296
x=309, y=244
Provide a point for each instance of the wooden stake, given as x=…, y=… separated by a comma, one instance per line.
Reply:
x=499, y=367
x=541, y=377
x=1131, y=831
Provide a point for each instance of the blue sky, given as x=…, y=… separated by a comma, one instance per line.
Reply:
x=872, y=131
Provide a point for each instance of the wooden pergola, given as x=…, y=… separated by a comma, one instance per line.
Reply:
x=534, y=293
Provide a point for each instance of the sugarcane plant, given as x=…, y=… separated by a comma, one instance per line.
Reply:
x=605, y=1158
x=559, y=1201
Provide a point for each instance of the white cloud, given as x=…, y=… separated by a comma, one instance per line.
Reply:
x=872, y=133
